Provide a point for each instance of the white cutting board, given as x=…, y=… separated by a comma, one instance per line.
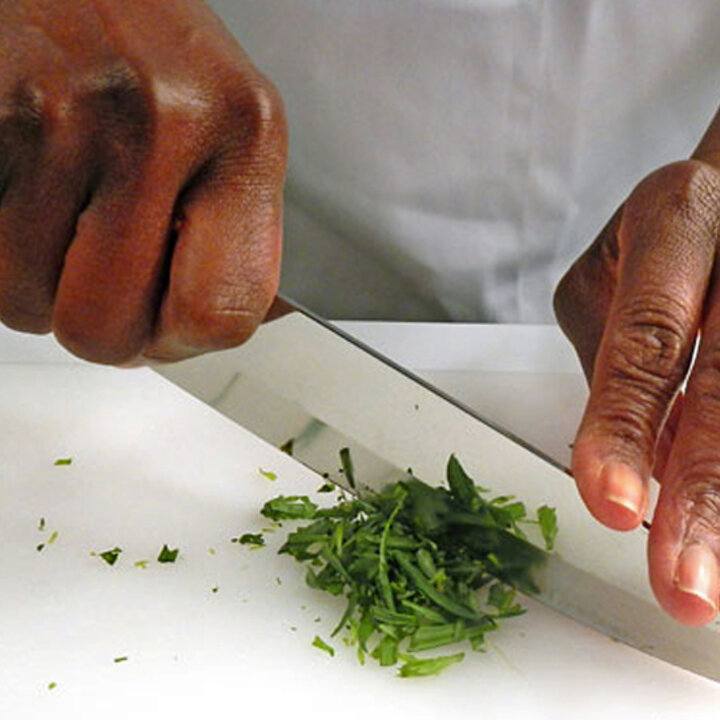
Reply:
x=153, y=466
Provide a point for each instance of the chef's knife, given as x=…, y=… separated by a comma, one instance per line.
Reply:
x=301, y=382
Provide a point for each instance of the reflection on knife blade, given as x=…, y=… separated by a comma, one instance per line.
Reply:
x=300, y=378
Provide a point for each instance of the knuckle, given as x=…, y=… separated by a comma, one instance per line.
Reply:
x=699, y=494
x=258, y=116
x=31, y=111
x=705, y=379
x=121, y=98
x=627, y=425
x=650, y=347
x=689, y=190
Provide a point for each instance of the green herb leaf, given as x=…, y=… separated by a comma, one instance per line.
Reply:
x=287, y=446
x=167, y=555
x=294, y=507
x=267, y=474
x=386, y=652
x=347, y=466
x=110, y=556
x=254, y=539
x=318, y=642
x=429, y=666
x=547, y=517
x=461, y=485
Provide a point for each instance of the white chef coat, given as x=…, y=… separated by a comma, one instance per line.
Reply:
x=450, y=158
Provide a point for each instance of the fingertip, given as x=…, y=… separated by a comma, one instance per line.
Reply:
x=624, y=496
x=687, y=587
x=614, y=493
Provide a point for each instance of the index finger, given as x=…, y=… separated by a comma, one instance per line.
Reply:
x=667, y=239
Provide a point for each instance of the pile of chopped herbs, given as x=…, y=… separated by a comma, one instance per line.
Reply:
x=421, y=567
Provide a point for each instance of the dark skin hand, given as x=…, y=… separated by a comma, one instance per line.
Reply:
x=142, y=160
x=633, y=305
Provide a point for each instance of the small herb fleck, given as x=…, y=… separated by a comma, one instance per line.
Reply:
x=268, y=474
x=167, y=555
x=63, y=461
x=252, y=539
x=110, y=556
x=53, y=537
x=40, y=547
x=287, y=446
x=120, y=659
x=327, y=487
x=52, y=686
x=141, y=564
x=318, y=642
x=215, y=589
x=41, y=524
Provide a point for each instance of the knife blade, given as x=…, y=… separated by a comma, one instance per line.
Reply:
x=301, y=381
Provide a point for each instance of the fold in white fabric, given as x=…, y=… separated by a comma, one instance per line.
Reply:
x=450, y=158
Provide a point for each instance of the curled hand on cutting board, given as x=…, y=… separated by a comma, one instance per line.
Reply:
x=142, y=159
x=633, y=305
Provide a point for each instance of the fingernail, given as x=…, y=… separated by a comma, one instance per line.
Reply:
x=623, y=486
x=696, y=573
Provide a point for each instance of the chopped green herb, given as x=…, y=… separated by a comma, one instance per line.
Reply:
x=428, y=666
x=52, y=686
x=212, y=551
x=41, y=524
x=215, y=589
x=327, y=487
x=420, y=567
x=167, y=555
x=40, y=547
x=293, y=507
x=318, y=642
x=53, y=537
x=347, y=466
x=120, y=659
x=547, y=517
x=141, y=564
x=287, y=446
x=110, y=556
x=254, y=539
x=267, y=474
x=63, y=461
